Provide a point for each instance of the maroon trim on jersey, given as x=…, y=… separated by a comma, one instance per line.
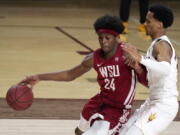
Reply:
x=108, y=31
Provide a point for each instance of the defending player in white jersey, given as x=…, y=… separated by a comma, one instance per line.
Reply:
x=161, y=107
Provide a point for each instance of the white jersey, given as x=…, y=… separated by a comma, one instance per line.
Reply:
x=161, y=108
x=162, y=86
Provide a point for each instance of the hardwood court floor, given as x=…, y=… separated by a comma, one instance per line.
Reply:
x=53, y=127
x=52, y=109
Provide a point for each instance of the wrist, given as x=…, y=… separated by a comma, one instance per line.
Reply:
x=37, y=77
x=139, y=69
x=142, y=60
x=139, y=58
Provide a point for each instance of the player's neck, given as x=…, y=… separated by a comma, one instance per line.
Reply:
x=158, y=34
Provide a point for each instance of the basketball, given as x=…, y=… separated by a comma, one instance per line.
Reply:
x=19, y=97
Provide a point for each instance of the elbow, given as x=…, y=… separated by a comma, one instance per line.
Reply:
x=70, y=79
x=159, y=68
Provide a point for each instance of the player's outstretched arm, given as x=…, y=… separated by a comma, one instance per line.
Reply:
x=132, y=59
x=66, y=75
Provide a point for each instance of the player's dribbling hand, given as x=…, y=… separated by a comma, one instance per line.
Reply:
x=30, y=80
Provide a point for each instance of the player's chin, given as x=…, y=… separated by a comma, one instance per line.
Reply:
x=106, y=49
x=147, y=32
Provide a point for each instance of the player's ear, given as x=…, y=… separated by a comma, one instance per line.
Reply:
x=161, y=25
x=118, y=38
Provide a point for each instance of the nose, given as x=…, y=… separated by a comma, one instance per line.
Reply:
x=145, y=23
x=104, y=40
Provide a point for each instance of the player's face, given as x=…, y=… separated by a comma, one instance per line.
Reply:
x=107, y=42
x=152, y=25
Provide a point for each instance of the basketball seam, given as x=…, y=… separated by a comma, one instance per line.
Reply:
x=20, y=96
x=17, y=99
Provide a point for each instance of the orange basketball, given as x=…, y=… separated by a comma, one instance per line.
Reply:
x=19, y=97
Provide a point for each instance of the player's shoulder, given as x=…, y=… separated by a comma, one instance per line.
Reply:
x=88, y=61
x=162, y=44
x=89, y=56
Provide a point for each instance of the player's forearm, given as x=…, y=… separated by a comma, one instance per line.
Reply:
x=142, y=75
x=55, y=76
x=162, y=68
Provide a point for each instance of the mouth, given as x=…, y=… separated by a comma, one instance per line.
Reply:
x=105, y=47
x=146, y=31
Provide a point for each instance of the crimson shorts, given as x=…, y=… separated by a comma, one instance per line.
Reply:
x=95, y=109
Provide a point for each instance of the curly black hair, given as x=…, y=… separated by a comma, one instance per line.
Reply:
x=109, y=22
x=163, y=14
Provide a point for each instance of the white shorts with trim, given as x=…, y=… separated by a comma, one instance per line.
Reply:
x=154, y=116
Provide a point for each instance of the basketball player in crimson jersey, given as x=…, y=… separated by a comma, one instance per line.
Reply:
x=104, y=113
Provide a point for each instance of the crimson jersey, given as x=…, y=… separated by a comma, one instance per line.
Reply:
x=116, y=80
